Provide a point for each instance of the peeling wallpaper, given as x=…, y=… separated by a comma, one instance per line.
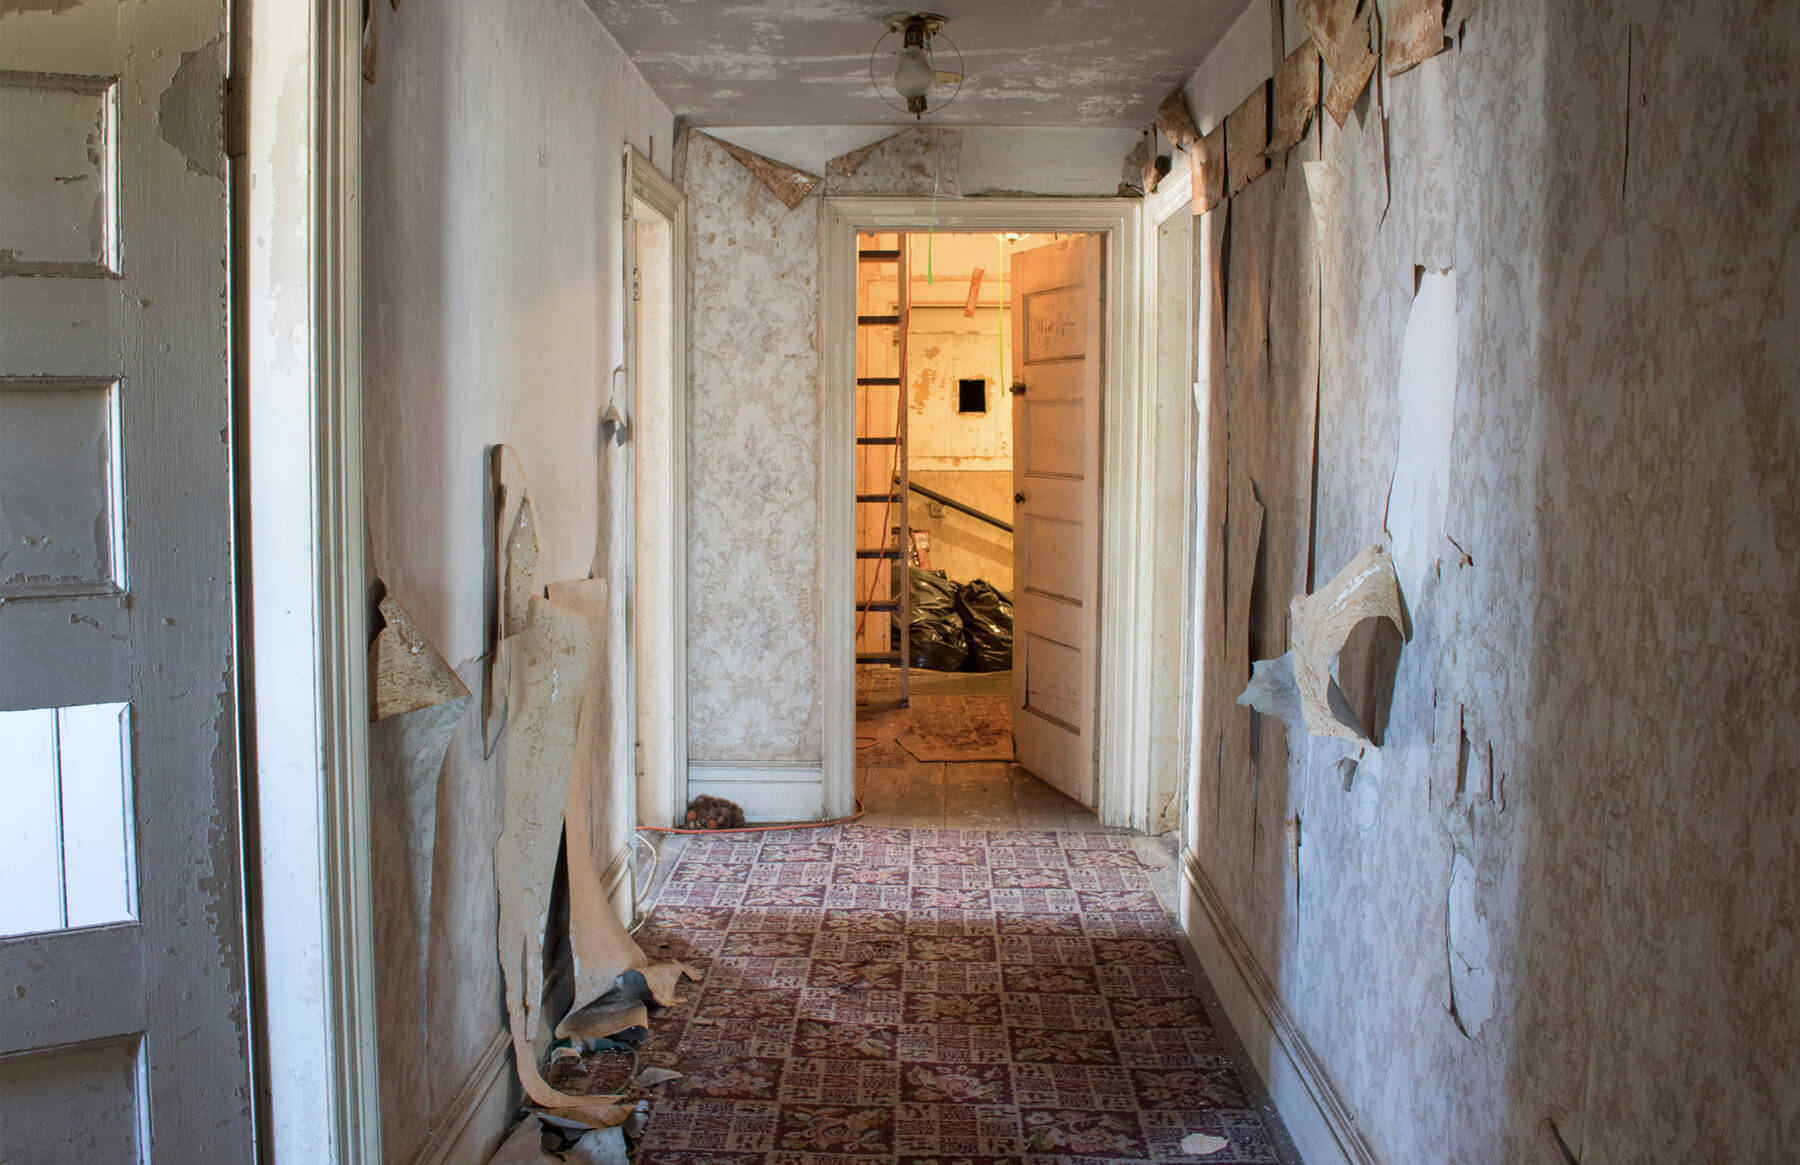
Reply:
x=753, y=466
x=491, y=263
x=1616, y=189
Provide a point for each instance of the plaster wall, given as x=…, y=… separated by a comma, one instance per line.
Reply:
x=492, y=249
x=1558, y=902
x=967, y=456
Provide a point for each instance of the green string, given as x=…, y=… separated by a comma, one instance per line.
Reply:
x=931, y=228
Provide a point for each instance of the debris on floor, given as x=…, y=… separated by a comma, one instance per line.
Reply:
x=1202, y=1144
x=706, y=812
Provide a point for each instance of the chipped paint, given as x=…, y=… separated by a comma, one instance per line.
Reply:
x=190, y=112
x=1063, y=63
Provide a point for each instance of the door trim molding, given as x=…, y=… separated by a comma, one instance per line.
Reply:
x=645, y=181
x=303, y=639
x=1126, y=438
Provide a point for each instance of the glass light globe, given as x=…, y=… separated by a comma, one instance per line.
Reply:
x=913, y=74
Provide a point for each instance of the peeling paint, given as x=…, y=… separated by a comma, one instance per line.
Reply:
x=190, y=113
x=15, y=7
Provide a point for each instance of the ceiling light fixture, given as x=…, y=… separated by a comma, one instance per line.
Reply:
x=916, y=73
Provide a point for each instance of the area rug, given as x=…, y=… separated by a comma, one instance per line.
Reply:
x=932, y=997
x=960, y=728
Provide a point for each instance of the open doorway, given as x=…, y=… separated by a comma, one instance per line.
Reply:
x=941, y=486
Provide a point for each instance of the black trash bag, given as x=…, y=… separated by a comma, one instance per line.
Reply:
x=987, y=616
x=938, y=640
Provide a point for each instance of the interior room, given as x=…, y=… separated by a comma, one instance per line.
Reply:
x=763, y=583
x=935, y=699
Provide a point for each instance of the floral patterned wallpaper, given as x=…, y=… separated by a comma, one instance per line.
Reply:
x=753, y=466
x=1560, y=901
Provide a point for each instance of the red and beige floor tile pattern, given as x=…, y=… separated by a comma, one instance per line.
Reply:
x=932, y=997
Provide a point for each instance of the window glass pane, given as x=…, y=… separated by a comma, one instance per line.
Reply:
x=67, y=827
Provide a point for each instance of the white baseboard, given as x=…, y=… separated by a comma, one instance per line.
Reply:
x=479, y=1115
x=765, y=792
x=1322, y=1125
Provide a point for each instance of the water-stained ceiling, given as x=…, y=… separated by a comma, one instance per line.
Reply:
x=806, y=62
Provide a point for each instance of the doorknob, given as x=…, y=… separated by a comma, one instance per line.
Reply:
x=1018, y=499
x=1018, y=388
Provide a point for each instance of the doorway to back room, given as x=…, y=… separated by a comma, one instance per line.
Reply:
x=940, y=492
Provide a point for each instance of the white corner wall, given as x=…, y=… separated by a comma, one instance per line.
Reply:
x=493, y=141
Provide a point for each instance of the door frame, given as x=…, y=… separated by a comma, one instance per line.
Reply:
x=645, y=183
x=296, y=172
x=1127, y=457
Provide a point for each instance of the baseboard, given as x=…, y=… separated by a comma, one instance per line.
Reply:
x=480, y=1114
x=1322, y=1125
x=765, y=792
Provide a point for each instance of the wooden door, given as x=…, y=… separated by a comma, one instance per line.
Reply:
x=123, y=1028
x=1057, y=373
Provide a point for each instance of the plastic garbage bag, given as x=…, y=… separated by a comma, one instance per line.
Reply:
x=987, y=616
x=938, y=640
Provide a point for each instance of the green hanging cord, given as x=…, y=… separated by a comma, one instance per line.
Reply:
x=931, y=229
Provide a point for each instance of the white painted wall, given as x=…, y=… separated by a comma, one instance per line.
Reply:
x=493, y=235
x=493, y=313
x=1230, y=71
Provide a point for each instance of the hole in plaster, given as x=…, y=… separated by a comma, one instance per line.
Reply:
x=971, y=395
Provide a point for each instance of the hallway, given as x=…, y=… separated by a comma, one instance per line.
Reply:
x=875, y=993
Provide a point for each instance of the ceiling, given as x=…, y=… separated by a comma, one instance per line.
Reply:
x=806, y=62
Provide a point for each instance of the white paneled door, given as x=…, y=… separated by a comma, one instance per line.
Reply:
x=123, y=1028
x=1057, y=364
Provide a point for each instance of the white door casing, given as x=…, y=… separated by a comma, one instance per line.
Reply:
x=1057, y=363
x=1128, y=436
x=655, y=355
x=123, y=1010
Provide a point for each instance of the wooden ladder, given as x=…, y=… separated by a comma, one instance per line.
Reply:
x=894, y=500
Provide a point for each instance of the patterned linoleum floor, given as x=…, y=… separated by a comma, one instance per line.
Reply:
x=910, y=995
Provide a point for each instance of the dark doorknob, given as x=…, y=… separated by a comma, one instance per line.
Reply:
x=1018, y=499
x=1018, y=388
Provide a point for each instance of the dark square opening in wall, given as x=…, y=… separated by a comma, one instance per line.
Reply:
x=971, y=395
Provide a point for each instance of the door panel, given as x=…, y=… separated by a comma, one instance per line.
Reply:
x=122, y=965
x=1057, y=366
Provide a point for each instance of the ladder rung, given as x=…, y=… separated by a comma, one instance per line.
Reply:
x=878, y=440
x=879, y=605
x=878, y=382
x=878, y=657
x=878, y=256
x=877, y=497
x=874, y=320
x=879, y=552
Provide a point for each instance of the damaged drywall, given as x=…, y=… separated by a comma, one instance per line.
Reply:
x=481, y=326
x=1419, y=498
x=1342, y=30
x=1301, y=681
x=1295, y=97
x=416, y=704
x=1206, y=167
x=919, y=161
x=1247, y=140
x=788, y=184
x=1589, y=482
x=1412, y=31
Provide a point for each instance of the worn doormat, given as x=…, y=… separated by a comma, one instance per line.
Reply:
x=960, y=728
x=904, y=997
